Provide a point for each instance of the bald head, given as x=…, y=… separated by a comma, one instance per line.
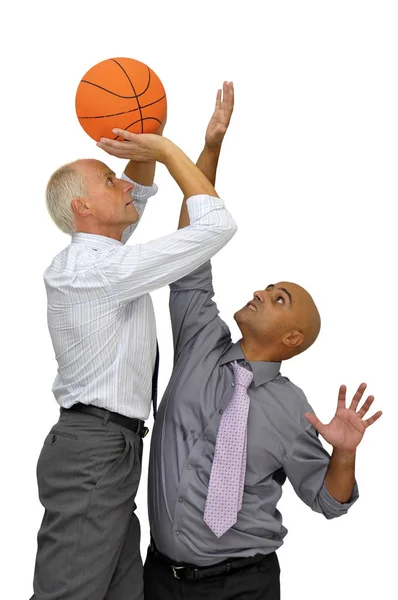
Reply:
x=279, y=323
x=305, y=315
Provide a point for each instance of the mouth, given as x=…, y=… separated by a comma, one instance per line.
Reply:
x=251, y=306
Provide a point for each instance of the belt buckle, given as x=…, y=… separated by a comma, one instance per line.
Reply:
x=144, y=431
x=175, y=569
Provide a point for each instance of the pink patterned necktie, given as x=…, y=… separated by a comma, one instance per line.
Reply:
x=227, y=477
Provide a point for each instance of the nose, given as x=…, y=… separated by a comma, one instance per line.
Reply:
x=259, y=295
x=127, y=186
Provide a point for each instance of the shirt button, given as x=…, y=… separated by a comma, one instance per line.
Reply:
x=180, y=499
x=205, y=439
x=233, y=385
x=221, y=411
x=178, y=532
x=189, y=467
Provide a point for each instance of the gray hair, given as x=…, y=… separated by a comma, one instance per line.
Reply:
x=65, y=184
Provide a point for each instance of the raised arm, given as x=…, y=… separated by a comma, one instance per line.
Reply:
x=142, y=175
x=136, y=270
x=191, y=298
x=216, y=130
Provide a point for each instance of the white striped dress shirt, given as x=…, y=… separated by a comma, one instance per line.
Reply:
x=100, y=313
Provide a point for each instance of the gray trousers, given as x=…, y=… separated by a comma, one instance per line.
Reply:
x=89, y=541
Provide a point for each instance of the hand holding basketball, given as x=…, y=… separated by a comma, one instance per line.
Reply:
x=141, y=147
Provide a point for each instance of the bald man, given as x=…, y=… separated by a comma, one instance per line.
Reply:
x=229, y=431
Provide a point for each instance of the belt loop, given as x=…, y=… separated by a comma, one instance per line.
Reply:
x=106, y=417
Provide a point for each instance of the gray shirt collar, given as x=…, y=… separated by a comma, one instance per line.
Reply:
x=262, y=371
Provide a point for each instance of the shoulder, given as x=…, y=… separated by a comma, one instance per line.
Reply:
x=291, y=402
x=72, y=263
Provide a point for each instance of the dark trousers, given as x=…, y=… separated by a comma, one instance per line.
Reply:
x=89, y=541
x=259, y=581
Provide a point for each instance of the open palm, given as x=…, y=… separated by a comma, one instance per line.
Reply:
x=221, y=117
x=346, y=430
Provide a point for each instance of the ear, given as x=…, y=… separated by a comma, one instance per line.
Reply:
x=293, y=339
x=80, y=207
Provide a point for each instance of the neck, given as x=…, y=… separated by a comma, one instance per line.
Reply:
x=253, y=351
x=105, y=230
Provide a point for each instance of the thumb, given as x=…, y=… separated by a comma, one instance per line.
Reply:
x=315, y=422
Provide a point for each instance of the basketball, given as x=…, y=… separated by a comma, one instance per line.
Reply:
x=122, y=93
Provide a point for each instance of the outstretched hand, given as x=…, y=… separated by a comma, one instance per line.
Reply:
x=221, y=117
x=346, y=430
x=140, y=147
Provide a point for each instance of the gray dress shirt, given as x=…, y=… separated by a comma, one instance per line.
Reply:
x=280, y=441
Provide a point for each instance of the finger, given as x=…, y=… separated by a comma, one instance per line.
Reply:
x=116, y=144
x=371, y=420
x=229, y=96
x=341, y=397
x=315, y=422
x=358, y=395
x=120, y=153
x=127, y=135
x=365, y=407
x=218, y=100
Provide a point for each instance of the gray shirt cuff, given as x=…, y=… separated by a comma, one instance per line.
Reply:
x=333, y=508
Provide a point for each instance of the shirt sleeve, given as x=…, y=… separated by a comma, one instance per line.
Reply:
x=140, y=194
x=132, y=271
x=306, y=466
x=192, y=307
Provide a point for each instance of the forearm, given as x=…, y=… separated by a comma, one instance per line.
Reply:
x=141, y=172
x=187, y=175
x=207, y=163
x=340, y=476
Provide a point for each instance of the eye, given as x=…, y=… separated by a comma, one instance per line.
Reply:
x=109, y=181
x=280, y=300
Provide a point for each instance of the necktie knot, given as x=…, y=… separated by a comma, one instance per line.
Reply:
x=242, y=376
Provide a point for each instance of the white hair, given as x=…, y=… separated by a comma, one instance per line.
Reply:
x=65, y=184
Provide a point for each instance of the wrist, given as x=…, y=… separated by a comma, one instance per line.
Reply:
x=212, y=150
x=344, y=456
x=166, y=150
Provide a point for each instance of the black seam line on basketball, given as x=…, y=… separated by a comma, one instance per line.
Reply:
x=110, y=91
x=133, y=88
x=142, y=120
x=125, y=112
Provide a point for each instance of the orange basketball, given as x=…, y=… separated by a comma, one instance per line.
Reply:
x=123, y=93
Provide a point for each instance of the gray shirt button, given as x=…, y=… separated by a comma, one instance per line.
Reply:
x=221, y=411
x=205, y=439
x=178, y=532
x=189, y=467
x=233, y=385
x=180, y=499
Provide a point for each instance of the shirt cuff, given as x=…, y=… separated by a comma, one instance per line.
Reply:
x=333, y=508
x=140, y=192
x=200, y=204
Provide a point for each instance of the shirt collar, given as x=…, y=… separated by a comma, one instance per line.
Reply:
x=262, y=371
x=94, y=240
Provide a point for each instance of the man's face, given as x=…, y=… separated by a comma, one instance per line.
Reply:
x=271, y=312
x=109, y=198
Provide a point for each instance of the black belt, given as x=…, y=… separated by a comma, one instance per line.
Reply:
x=136, y=425
x=185, y=571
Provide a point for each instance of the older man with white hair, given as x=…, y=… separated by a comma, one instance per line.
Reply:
x=102, y=327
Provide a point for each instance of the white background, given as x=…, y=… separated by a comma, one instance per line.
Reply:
x=309, y=171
